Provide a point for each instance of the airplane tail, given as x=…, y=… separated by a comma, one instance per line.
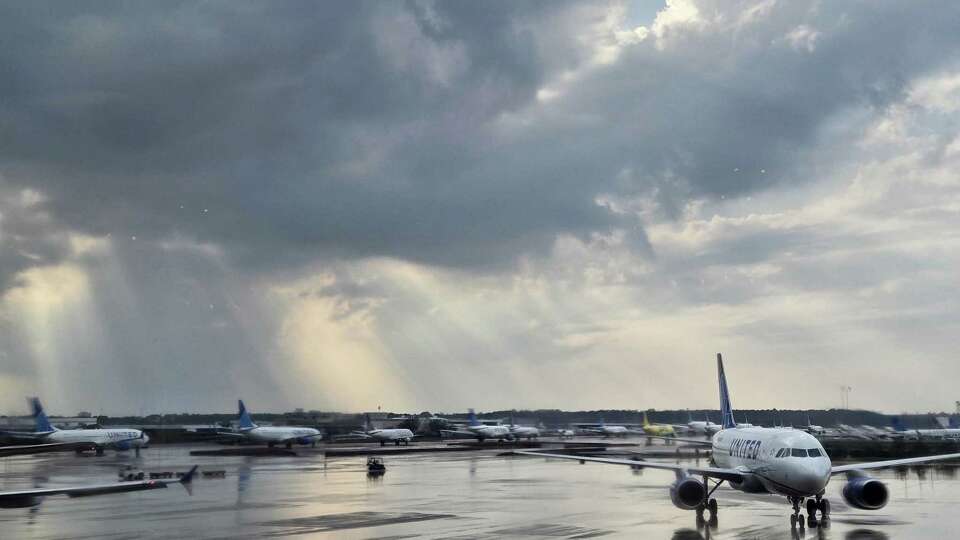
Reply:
x=41, y=422
x=367, y=424
x=245, y=421
x=646, y=422
x=726, y=409
x=897, y=424
x=472, y=418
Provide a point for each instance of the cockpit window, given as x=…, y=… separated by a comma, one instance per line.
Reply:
x=782, y=452
x=814, y=452
x=798, y=452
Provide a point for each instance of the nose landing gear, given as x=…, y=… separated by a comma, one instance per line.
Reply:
x=818, y=504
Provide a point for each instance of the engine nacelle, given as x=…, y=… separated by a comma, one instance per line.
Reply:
x=865, y=493
x=687, y=493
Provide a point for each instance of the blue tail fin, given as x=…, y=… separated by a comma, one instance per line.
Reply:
x=472, y=418
x=897, y=424
x=953, y=422
x=41, y=422
x=726, y=410
x=245, y=421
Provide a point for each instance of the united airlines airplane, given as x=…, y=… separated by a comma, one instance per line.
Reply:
x=98, y=439
x=272, y=435
x=782, y=461
x=394, y=435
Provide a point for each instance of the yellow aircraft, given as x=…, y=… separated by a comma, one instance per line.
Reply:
x=659, y=430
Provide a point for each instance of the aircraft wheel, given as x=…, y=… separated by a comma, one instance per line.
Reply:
x=824, y=507
x=811, y=507
x=712, y=506
x=811, y=521
x=793, y=521
x=383, y=443
x=800, y=520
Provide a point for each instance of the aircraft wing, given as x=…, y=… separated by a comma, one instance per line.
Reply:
x=458, y=432
x=732, y=475
x=852, y=467
x=28, y=497
x=701, y=442
x=28, y=449
x=233, y=434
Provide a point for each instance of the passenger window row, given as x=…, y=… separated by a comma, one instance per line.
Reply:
x=799, y=452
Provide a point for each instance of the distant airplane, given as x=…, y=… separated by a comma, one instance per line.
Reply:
x=608, y=430
x=481, y=431
x=663, y=430
x=814, y=429
x=701, y=427
x=272, y=435
x=98, y=439
x=520, y=432
x=394, y=435
x=782, y=461
x=32, y=497
x=565, y=433
x=948, y=433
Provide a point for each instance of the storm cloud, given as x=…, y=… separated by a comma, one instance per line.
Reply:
x=317, y=204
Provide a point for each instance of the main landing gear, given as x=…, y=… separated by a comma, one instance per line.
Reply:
x=708, y=505
x=817, y=504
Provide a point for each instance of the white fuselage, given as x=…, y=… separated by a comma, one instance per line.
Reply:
x=703, y=428
x=118, y=438
x=490, y=432
x=398, y=434
x=278, y=434
x=610, y=430
x=524, y=431
x=777, y=459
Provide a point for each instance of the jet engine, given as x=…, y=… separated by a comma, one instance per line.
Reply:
x=865, y=493
x=687, y=493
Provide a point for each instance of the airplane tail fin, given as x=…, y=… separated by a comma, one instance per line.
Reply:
x=188, y=477
x=41, y=422
x=367, y=424
x=726, y=409
x=897, y=424
x=472, y=418
x=954, y=424
x=645, y=421
x=245, y=421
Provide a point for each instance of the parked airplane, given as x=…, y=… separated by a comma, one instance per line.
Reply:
x=97, y=439
x=701, y=427
x=32, y=497
x=481, y=431
x=608, y=431
x=272, y=435
x=663, y=430
x=394, y=435
x=519, y=432
x=899, y=432
x=782, y=461
x=814, y=429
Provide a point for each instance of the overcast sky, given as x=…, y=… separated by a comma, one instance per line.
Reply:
x=424, y=205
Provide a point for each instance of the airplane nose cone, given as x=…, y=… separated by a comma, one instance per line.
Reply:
x=812, y=480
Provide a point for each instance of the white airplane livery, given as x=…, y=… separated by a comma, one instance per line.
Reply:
x=98, y=439
x=782, y=461
x=394, y=435
x=272, y=435
x=482, y=431
x=608, y=431
x=519, y=432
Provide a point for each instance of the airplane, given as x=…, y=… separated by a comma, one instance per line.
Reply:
x=565, y=433
x=814, y=429
x=782, y=461
x=519, y=432
x=608, y=431
x=481, y=431
x=272, y=435
x=663, y=430
x=32, y=497
x=396, y=435
x=98, y=439
x=701, y=427
x=899, y=432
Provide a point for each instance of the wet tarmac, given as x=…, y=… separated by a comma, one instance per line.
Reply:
x=468, y=495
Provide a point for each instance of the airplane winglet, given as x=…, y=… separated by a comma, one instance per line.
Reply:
x=187, y=478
